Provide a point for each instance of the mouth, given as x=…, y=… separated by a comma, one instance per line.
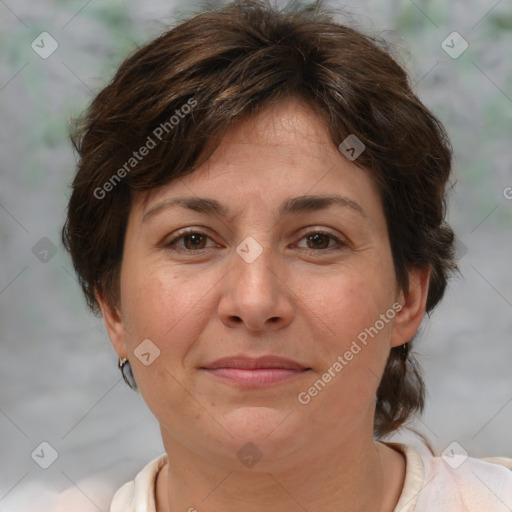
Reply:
x=255, y=372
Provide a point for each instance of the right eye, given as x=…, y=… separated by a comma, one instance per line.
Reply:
x=193, y=241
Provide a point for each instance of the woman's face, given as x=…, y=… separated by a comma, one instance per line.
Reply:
x=266, y=273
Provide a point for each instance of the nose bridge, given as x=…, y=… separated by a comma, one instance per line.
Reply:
x=255, y=266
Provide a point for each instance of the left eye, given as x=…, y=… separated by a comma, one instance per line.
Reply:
x=319, y=240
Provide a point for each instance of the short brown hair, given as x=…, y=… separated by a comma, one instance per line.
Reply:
x=228, y=64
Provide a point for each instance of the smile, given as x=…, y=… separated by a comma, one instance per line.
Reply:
x=255, y=372
x=256, y=377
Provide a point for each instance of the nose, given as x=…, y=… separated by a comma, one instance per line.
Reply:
x=255, y=294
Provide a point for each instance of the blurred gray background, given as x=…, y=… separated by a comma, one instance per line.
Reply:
x=59, y=381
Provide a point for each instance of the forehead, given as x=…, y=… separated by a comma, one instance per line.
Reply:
x=285, y=148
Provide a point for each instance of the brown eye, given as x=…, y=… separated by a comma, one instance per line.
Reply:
x=318, y=241
x=195, y=241
x=189, y=241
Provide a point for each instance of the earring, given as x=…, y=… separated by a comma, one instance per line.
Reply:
x=405, y=351
x=126, y=372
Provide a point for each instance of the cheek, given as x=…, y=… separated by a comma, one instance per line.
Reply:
x=349, y=301
x=159, y=307
x=351, y=326
x=167, y=307
x=157, y=300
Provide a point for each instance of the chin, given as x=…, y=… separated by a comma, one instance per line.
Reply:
x=268, y=428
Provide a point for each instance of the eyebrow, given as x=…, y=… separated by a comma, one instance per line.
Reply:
x=295, y=205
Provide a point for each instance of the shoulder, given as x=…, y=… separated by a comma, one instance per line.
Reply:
x=139, y=494
x=455, y=483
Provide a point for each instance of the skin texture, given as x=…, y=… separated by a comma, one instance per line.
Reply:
x=301, y=299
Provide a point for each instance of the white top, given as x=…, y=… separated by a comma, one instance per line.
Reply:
x=431, y=484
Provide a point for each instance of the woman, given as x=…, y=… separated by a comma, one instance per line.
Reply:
x=258, y=214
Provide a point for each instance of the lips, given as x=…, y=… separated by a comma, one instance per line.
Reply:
x=249, y=363
x=255, y=372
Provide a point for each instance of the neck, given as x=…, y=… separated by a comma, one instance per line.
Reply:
x=354, y=478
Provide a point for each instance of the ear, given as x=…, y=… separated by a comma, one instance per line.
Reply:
x=114, y=323
x=408, y=319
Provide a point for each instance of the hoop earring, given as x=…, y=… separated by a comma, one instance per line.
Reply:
x=126, y=372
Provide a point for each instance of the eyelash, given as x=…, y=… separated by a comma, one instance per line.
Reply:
x=173, y=243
